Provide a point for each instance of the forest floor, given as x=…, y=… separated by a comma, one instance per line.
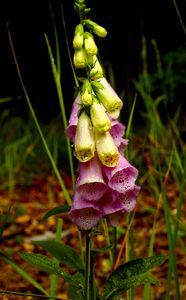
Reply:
x=29, y=203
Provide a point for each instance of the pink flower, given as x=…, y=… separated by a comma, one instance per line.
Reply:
x=128, y=199
x=122, y=177
x=117, y=131
x=84, y=213
x=72, y=124
x=90, y=183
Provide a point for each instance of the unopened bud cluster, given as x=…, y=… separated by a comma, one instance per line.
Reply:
x=99, y=103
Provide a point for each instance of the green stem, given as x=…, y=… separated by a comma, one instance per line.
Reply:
x=54, y=278
x=114, y=242
x=87, y=268
x=92, y=287
x=107, y=238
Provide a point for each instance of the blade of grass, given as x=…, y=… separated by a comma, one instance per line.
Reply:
x=6, y=292
x=24, y=274
x=68, y=48
x=172, y=260
x=66, y=193
x=62, y=106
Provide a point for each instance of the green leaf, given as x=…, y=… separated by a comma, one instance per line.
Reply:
x=43, y=263
x=103, y=250
x=131, y=274
x=56, y=210
x=77, y=292
x=21, y=272
x=63, y=253
x=121, y=286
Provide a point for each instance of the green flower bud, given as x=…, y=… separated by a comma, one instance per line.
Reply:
x=99, y=117
x=106, y=149
x=110, y=100
x=89, y=44
x=96, y=71
x=97, y=29
x=80, y=58
x=86, y=93
x=84, y=138
x=78, y=37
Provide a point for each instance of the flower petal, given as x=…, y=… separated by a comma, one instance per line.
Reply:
x=84, y=139
x=122, y=177
x=84, y=213
x=90, y=183
x=127, y=199
x=117, y=131
x=72, y=124
x=106, y=149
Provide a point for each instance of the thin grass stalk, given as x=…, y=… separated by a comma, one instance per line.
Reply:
x=58, y=61
x=176, y=228
x=23, y=273
x=117, y=261
x=107, y=238
x=147, y=289
x=129, y=240
x=172, y=259
x=114, y=242
x=38, y=296
x=68, y=48
x=54, y=278
x=56, y=171
x=62, y=106
x=179, y=16
x=129, y=250
x=10, y=167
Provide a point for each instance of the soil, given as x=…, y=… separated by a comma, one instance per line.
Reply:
x=29, y=204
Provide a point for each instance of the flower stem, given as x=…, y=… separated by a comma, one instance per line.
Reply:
x=87, y=268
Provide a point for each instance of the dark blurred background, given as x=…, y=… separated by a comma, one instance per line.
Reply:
x=126, y=23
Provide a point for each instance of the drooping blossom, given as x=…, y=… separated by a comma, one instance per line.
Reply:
x=84, y=138
x=110, y=100
x=97, y=29
x=96, y=70
x=117, y=131
x=90, y=183
x=89, y=44
x=99, y=117
x=78, y=37
x=122, y=177
x=73, y=120
x=86, y=93
x=80, y=58
x=84, y=213
x=106, y=149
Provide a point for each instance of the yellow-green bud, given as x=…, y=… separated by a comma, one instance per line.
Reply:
x=106, y=149
x=89, y=44
x=97, y=29
x=80, y=58
x=78, y=37
x=96, y=71
x=99, y=117
x=84, y=138
x=110, y=101
x=86, y=93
